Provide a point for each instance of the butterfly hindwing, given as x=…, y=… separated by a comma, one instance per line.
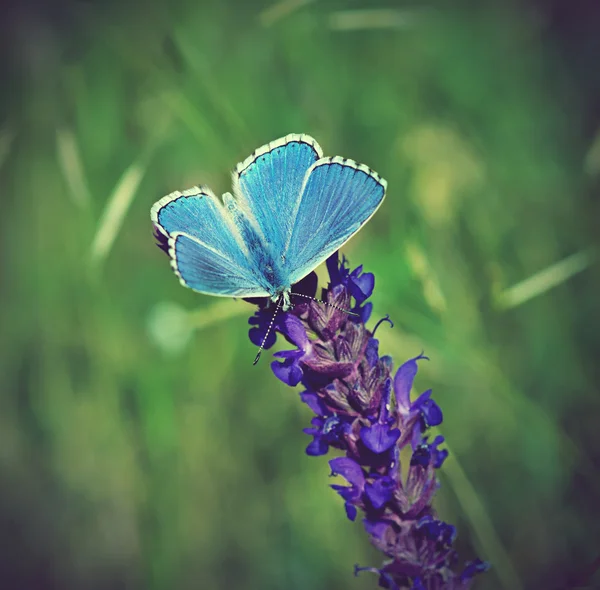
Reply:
x=338, y=197
x=268, y=184
x=205, y=270
x=206, y=248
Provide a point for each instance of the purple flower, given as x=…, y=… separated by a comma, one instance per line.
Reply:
x=349, y=388
x=355, y=476
x=290, y=370
x=326, y=432
x=381, y=436
x=380, y=491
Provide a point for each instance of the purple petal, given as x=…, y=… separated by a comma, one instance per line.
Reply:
x=257, y=336
x=351, y=511
x=346, y=492
x=317, y=447
x=403, y=382
x=421, y=456
x=431, y=412
x=313, y=401
x=379, y=437
x=361, y=288
x=293, y=329
x=288, y=371
x=371, y=352
x=380, y=492
x=350, y=470
x=365, y=312
x=437, y=530
x=416, y=437
x=438, y=456
x=422, y=399
x=294, y=354
x=425, y=454
x=312, y=431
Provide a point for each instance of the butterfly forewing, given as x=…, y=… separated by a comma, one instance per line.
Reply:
x=267, y=185
x=338, y=198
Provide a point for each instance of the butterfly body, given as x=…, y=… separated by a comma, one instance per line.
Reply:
x=290, y=210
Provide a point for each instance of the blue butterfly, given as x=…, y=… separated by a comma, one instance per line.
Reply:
x=291, y=209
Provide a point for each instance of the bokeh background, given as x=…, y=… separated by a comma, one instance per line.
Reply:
x=139, y=447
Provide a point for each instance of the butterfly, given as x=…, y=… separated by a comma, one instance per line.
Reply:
x=291, y=209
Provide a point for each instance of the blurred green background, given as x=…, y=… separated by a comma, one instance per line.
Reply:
x=139, y=447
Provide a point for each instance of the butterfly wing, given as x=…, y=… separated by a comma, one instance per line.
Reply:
x=268, y=186
x=293, y=209
x=338, y=197
x=205, y=245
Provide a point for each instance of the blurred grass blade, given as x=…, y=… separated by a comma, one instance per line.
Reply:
x=6, y=139
x=378, y=18
x=183, y=107
x=492, y=547
x=545, y=280
x=116, y=208
x=422, y=269
x=218, y=312
x=280, y=10
x=72, y=167
x=210, y=85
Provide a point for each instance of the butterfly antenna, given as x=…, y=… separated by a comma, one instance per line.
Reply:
x=262, y=344
x=327, y=303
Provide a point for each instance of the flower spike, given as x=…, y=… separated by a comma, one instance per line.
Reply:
x=349, y=388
